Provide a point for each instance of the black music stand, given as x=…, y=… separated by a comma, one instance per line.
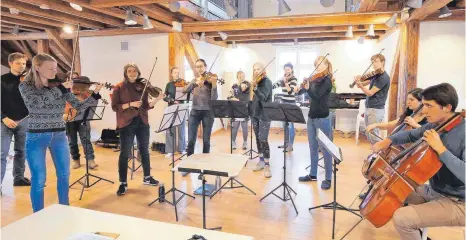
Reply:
x=251, y=149
x=232, y=110
x=180, y=96
x=174, y=116
x=134, y=157
x=90, y=114
x=285, y=113
x=337, y=156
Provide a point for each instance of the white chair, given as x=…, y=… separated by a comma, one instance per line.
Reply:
x=360, y=118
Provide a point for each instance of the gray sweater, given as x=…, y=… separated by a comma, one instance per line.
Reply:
x=201, y=95
x=449, y=180
x=47, y=105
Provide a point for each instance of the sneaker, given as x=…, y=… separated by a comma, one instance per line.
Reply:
x=260, y=165
x=150, y=181
x=307, y=178
x=326, y=184
x=281, y=146
x=168, y=155
x=122, y=189
x=76, y=164
x=245, y=145
x=21, y=182
x=233, y=145
x=267, y=173
x=92, y=164
x=289, y=148
x=182, y=152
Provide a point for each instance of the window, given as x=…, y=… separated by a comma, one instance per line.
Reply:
x=302, y=60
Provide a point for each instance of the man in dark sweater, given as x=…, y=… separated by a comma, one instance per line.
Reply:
x=14, y=119
x=376, y=94
x=441, y=202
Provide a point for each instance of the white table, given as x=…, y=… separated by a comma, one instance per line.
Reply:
x=60, y=222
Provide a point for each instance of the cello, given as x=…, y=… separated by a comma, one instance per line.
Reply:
x=401, y=174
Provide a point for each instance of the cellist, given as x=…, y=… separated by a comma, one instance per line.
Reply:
x=441, y=203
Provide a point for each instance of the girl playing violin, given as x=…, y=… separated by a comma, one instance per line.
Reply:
x=132, y=120
x=318, y=87
x=170, y=93
x=204, y=89
x=379, y=83
x=240, y=92
x=262, y=92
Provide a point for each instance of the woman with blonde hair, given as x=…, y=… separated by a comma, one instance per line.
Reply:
x=46, y=105
x=318, y=87
x=240, y=92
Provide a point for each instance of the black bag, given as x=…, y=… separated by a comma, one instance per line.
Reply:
x=109, y=138
x=158, y=147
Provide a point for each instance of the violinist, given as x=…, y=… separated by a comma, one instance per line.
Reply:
x=170, y=93
x=46, y=128
x=133, y=121
x=14, y=119
x=441, y=202
x=74, y=128
x=240, y=92
x=262, y=92
x=379, y=83
x=204, y=89
x=318, y=87
x=289, y=86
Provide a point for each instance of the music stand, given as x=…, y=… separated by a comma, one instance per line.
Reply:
x=232, y=110
x=180, y=96
x=337, y=156
x=251, y=150
x=134, y=158
x=173, y=116
x=91, y=113
x=285, y=113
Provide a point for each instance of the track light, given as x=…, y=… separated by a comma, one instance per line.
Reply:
x=370, y=31
x=147, y=24
x=296, y=42
x=283, y=7
x=202, y=37
x=234, y=46
x=44, y=6
x=15, y=30
x=174, y=6
x=76, y=7
x=177, y=26
x=327, y=3
x=67, y=29
x=414, y=3
x=14, y=11
x=444, y=12
x=223, y=35
x=361, y=40
x=349, y=32
x=230, y=9
x=391, y=22
x=130, y=20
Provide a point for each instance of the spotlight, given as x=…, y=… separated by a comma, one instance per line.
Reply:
x=76, y=7
x=283, y=7
x=67, y=29
x=174, y=6
x=130, y=20
x=444, y=12
x=361, y=40
x=230, y=9
x=147, y=24
x=391, y=22
x=349, y=32
x=371, y=32
x=223, y=35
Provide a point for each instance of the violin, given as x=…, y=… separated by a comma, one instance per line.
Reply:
x=371, y=74
x=401, y=174
x=207, y=76
x=313, y=77
x=143, y=84
x=180, y=82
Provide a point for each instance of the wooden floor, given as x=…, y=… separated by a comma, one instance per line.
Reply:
x=237, y=211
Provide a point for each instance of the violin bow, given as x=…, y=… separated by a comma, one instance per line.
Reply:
x=263, y=69
x=372, y=63
x=74, y=51
x=321, y=61
x=147, y=82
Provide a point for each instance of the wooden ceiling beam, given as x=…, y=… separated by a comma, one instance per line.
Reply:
x=21, y=47
x=33, y=19
x=298, y=36
x=333, y=19
x=304, y=40
x=118, y=13
x=63, y=7
x=43, y=46
x=115, y=3
x=31, y=29
x=61, y=43
x=25, y=23
x=51, y=14
x=33, y=45
x=457, y=15
x=189, y=51
x=367, y=5
x=428, y=7
x=219, y=43
x=297, y=30
x=159, y=13
x=53, y=49
x=26, y=46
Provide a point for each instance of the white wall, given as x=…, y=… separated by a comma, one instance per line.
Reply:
x=442, y=56
x=102, y=60
x=267, y=8
x=4, y=69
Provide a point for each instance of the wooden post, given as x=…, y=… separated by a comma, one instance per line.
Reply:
x=176, y=53
x=43, y=46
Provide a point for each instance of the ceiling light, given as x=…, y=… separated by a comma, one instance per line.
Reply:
x=76, y=7
x=283, y=7
x=44, y=6
x=202, y=37
x=371, y=32
x=223, y=35
x=296, y=42
x=361, y=40
x=67, y=29
x=230, y=9
x=174, y=6
x=327, y=3
x=349, y=32
x=176, y=26
x=130, y=20
x=14, y=11
x=391, y=22
x=444, y=12
x=234, y=45
x=147, y=24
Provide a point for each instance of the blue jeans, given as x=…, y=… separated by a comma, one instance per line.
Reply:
x=19, y=160
x=372, y=116
x=195, y=118
x=332, y=117
x=36, y=147
x=324, y=125
x=169, y=148
x=289, y=134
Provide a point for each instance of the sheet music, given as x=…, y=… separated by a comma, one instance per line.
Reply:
x=334, y=150
x=168, y=114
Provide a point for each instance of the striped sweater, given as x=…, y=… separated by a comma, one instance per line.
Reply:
x=289, y=96
x=47, y=105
